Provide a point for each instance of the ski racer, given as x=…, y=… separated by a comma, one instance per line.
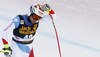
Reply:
x=24, y=28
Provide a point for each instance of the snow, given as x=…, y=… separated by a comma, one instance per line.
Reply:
x=78, y=27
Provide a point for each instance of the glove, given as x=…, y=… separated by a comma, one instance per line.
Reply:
x=47, y=8
x=7, y=50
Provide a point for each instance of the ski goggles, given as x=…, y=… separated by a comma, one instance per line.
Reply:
x=36, y=17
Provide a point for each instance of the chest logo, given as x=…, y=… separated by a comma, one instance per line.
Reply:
x=28, y=30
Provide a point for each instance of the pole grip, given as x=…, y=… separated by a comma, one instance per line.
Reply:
x=2, y=51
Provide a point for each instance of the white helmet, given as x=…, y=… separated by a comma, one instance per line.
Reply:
x=36, y=9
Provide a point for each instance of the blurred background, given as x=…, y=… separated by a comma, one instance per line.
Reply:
x=77, y=23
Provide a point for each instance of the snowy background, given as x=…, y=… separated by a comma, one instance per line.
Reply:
x=78, y=26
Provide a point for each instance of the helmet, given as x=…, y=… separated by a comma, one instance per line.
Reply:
x=36, y=9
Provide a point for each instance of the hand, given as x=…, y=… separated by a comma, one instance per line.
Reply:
x=7, y=53
x=7, y=50
x=45, y=7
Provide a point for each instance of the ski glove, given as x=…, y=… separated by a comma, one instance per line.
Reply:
x=45, y=7
x=7, y=50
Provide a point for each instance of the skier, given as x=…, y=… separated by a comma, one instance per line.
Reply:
x=24, y=28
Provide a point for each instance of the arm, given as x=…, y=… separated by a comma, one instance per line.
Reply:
x=10, y=26
x=14, y=23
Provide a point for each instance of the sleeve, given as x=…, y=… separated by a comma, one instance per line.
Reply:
x=14, y=23
x=47, y=18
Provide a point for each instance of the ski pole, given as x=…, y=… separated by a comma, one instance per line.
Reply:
x=56, y=34
x=2, y=51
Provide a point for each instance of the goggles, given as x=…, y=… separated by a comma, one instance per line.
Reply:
x=36, y=17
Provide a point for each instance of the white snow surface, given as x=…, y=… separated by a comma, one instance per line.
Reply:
x=78, y=27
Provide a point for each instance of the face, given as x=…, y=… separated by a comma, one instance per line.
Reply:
x=32, y=19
